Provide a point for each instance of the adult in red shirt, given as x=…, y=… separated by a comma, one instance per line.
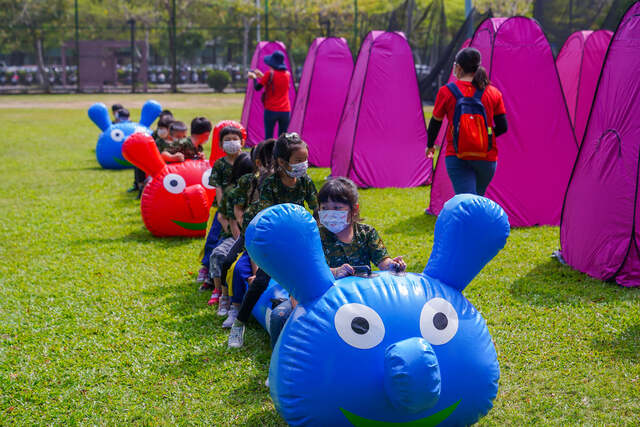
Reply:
x=277, y=108
x=468, y=176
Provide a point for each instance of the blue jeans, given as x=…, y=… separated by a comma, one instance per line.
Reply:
x=273, y=117
x=470, y=176
x=278, y=318
x=212, y=240
x=241, y=273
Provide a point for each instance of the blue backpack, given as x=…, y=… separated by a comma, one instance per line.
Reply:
x=472, y=135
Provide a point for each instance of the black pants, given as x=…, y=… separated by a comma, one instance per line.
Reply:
x=231, y=257
x=273, y=117
x=255, y=291
x=138, y=178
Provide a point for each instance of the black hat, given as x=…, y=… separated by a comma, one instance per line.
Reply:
x=276, y=60
x=122, y=114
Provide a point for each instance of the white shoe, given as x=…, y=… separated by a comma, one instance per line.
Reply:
x=233, y=314
x=223, y=306
x=267, y=382
x=236, y=336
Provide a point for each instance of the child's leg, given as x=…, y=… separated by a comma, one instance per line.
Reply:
x=212, y=240
x=278, y=318
x=217, y=257
x=259, y=285
x=241, y=273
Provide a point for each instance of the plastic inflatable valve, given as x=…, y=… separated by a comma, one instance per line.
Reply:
x=412, y=375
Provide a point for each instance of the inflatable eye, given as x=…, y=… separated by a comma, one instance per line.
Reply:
x=205, y=179
x=359, y=326
x=117, y=135
x=174, y=183
x=438, y=321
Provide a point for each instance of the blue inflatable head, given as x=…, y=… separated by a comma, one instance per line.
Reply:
x=406, y=349
x=109, y=147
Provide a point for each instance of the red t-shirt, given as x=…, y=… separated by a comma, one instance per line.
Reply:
x=446, y=104
x=277, y=92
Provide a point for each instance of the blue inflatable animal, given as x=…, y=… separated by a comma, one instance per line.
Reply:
x=390, y=350
x=109, y=147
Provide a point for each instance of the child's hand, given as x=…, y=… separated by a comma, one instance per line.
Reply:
x=399, y=265
x=343, y=271
x=258, y=73
x=251, y=75
x=250, y=279
x=429, y=152
x=179, y=157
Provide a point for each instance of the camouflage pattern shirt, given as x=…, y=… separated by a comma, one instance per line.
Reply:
x=186, y=147
x=221, y=175
x=274, y=192
x=366, y=247
x=162, y=144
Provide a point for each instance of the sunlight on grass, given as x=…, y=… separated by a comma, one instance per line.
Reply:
x=101, y=323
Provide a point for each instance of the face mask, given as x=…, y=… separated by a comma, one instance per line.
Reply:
x=298, y=170
x=232, y=147
x=162, y=133
x=334, y=221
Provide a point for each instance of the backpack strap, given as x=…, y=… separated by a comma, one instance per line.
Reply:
x=455, y=91
x=478, y=94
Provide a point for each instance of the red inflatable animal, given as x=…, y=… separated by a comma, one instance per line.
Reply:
x=176, y=201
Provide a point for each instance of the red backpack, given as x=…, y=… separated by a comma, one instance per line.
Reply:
x=472, y=135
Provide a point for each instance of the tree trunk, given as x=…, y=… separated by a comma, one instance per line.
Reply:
x=42, y=75
x=246, y=22
x=409, y=20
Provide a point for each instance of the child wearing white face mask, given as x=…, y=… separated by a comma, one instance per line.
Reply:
x=345, y=241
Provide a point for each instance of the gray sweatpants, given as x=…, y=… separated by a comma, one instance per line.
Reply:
x=218, y=255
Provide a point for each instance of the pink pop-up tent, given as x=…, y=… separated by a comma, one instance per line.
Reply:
x=535, y=156
x=323, y=88
x=253, y=109
x=600, y=231
x=382, y=134
x=579, y=64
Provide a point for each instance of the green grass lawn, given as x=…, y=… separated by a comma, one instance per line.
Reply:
x=101, y=324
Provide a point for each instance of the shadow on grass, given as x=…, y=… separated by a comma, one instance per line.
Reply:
x=265, y=418
x=552, y=284
x=141, y=235
x=418, y=225
x=624, y=345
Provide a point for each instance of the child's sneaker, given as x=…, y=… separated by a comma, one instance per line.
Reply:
x=266, y=383
x=203, y=274
x=206, y=286
x=233, y=314
x=215, y=297
x=223, y=306
x=236, y=336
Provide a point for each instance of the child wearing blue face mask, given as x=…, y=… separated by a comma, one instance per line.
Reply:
x=345, y=241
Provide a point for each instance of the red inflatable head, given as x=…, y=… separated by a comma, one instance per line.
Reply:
x=216, y=151
x=176, y=201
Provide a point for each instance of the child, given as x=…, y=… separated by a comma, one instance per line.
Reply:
x=289, y=184
x=345, y=241
x=114, y=109
x=231, y=142
x=200, y=132
x=245, y=194
x=161, y=134
x=177, y=132
x=242, y=166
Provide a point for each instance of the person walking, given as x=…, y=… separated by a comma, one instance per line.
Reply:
x=476, y=115
x=276, y=81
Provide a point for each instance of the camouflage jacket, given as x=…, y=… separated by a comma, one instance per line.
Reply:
x=274, y=192
x=366, y=247
x=186, y=147
x=162, y=144
x=221, y=175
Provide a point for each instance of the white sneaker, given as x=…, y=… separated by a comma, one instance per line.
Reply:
x=223, y=306
x=233, y=314
x=236, y=336
x=267, y=382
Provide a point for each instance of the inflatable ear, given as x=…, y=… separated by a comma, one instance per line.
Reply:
x=150, y=112
x=216, y=151
x=140, y=149
x=469, y=232
x=284, y=241
x=99, y=115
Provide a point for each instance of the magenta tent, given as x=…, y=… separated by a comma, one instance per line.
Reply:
x=600, y=231
x=579, y=64
x=321, y=93
x=536, y=155
x=252, y=109
x=382, y=134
